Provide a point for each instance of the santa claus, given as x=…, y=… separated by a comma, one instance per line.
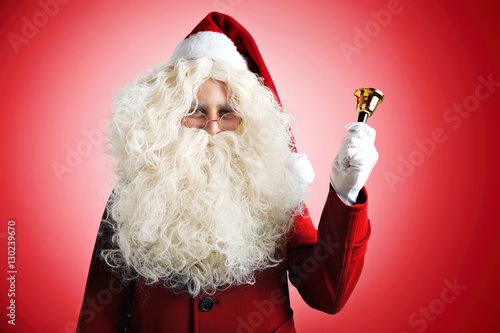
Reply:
x=206, y=218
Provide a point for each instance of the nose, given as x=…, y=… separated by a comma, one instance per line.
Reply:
x=213, y=127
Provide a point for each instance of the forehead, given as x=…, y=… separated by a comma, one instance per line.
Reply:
x=212, y=91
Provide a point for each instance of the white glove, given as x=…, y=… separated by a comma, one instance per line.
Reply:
x=354, y=162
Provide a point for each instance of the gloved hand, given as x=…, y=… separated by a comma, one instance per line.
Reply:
x=354, y=162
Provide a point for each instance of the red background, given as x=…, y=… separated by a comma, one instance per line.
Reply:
x=434, y=223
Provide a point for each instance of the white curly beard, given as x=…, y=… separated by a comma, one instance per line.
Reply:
x=207, y=213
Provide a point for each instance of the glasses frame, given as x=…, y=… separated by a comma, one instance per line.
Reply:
x=185, y=119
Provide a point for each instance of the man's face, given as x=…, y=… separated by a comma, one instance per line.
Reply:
x=212, y=103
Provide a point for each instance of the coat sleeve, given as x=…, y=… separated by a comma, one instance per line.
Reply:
x=106, y=301
x=325, y=265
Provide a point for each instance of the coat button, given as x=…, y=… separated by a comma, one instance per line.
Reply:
x=205, y=304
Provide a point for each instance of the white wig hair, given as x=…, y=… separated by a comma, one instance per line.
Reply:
x=192, y=210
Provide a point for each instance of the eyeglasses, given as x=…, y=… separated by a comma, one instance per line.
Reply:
x=227, y=122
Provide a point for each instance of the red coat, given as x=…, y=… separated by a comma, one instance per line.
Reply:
x=324, y=266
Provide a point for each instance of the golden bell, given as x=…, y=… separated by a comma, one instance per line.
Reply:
x=367, y=101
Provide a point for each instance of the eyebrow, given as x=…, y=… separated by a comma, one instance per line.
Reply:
x=203, y=105
x=200, y=104
x=226, y=106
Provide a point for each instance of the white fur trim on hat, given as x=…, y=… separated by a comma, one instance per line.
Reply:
x=210, y=44
x=303, y=168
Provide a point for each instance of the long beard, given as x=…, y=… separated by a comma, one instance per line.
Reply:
x=207, y=214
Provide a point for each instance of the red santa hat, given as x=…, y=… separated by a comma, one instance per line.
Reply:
x=221, y=37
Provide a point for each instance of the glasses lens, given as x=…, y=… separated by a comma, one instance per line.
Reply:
x=196, y=120
x=230, y=122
